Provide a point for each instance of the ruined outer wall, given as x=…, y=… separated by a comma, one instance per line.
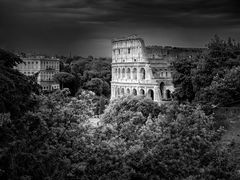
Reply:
x=131, y=73
x=141, y=70
x=132, y=70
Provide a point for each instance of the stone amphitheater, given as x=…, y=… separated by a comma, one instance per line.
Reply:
x=144, y=70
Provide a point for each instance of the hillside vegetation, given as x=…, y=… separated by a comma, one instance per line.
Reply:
x=49, y=136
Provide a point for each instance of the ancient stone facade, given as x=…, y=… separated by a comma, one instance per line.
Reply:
x=141, y=70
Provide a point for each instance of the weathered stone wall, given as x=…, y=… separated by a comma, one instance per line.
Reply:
x=141, y=70
x=132, y=72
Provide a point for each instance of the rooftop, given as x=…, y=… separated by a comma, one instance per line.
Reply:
x=132, y=37
x=40, y=58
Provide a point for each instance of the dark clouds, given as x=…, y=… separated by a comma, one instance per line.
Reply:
x=87, y=26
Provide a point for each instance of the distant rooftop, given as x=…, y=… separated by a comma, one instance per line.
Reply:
x=174, y=49
x=38, y=57
x=132, y=37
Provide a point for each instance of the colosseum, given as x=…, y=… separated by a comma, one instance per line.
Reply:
x=144, y=70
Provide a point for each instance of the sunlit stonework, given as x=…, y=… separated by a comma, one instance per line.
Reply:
x=144, y=70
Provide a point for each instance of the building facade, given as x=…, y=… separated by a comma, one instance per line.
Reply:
x=144, y=70
x=44, y=66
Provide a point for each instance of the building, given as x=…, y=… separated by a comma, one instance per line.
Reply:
x=144, y=70
x=46, y=67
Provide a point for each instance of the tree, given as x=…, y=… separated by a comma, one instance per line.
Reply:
x=56, y=142
x=193, y=76
x=99, y=86
x=182, y=79
x=8, y=59
x=131, y=103
x=223, y=90
x=86, y=69
x=64, y=79
x=43, y=144
x=179, y=143
x=16, y=89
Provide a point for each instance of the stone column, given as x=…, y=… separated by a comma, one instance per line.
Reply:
x=164, y=93
x=113, y=72
x=131, y=73
x=157, y=94
x=112, y=92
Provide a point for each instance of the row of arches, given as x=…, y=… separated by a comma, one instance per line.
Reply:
x=120, y=91
x=128, y=73
x=165, y=93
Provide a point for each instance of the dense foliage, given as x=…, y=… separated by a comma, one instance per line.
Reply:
x=180, y=143
x=222, y=90
x=43, y=143
x=15, y=88
x=88, y=72
x=93, y=74
x=195, y=78
x=56, y=141
x=64, y=78
x=53, y=138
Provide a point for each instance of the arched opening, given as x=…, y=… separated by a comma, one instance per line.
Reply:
x=151, y=94
x=118, y=92
x=118, y=73
x=122, y=91
x=134, y=92
x=142, y=92
x=115, y=74
x=168, y=94
x=162, y=86
x=134, y=73
x=128, y=91
x=142, y=73
x=128, y=73
x=123, y=73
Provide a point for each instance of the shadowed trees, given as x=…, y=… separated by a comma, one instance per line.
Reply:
x=15, y=88
x=193, y=77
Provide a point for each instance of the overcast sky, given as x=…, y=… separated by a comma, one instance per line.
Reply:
x=86, y=27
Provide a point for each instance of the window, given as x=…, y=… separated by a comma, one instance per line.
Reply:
x=134, y=72
x=129, y=50
x=166, y=74
x=119, y=51
x=142, y=73
x=142, y=92
x=128, y=73
x=123, y=73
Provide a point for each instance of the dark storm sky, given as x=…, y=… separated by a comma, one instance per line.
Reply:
x=86, y=27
